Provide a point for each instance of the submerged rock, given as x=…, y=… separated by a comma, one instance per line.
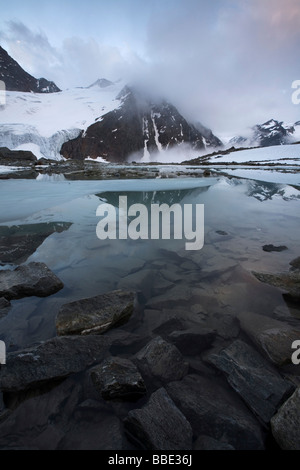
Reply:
x=95, y=315
x=215, y=412
x=192, y=341
x=159, y=425
x=51, y=361
x=289, y=282
x=162, y=360
x=249, y=374
x=17, y=243
x=117, y=377
x=286, y=423
x=33, y=279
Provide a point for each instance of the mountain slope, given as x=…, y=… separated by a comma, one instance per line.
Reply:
x=16, y=79
x=140, y=127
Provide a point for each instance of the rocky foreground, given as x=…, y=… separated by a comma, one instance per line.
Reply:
x=190, y=381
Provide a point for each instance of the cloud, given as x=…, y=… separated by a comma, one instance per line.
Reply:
x=228, y=64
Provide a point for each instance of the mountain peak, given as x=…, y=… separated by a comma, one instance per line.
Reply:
x=16, y=79
x=101, y=83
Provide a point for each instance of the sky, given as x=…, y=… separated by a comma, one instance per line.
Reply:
x=228, y=64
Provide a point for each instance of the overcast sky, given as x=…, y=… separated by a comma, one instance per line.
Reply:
x=227, y=63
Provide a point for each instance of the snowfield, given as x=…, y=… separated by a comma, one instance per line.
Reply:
x=279, y=154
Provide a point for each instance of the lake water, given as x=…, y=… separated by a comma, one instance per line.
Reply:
x=241, y=215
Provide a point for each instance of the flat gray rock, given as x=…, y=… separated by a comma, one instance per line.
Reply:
x=250, y=375
x=95, y=315
x=159, y=425
x=215, y=412
x=162, y=360
x=51, y=361
x=286, y=423
x=117, y=377
x=33, y=279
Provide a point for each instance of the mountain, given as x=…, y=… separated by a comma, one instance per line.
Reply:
x=267, y=134
x=16, y=79
x=102, y=83
x=140, y=127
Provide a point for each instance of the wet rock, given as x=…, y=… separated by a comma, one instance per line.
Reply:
x=270, y=248
x=250, y=375
x=117, y=377
x=286, y=423
x=289, y=282
x=226, y=325
x=273, y=337
x=33, y=279
x=192, y=341
x=162, y=360
x=215, y=412
x=17, y=243
x=51, y=361
x=159, y=425
x=95, y=315
x=221, y=232
x=208, y=443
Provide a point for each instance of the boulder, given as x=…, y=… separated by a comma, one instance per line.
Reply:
x=33, y=279
x=159, y=425
x=161, y=360
x=51, y=361
x=117, y=377
x=95, y=315
x=273, y=337
x=286, y=423
x=250, y=375
x=288, y=282
x=213, y=411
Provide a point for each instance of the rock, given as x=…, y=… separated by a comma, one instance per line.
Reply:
x=222, y=232
x=249, y=374
x=295, y=263
x=159, y=425
x=273, y=337
x=17, y=243
x=215, y=412
x=192, y=341
x=285, y=424
x=270, y=248
x=95, y=315
x=208, y=443
x=4, y=303
x=226, y=325
x=33, y=279
x=51, y=361
x=289, y=282
x=162, y=360
x=117, y=377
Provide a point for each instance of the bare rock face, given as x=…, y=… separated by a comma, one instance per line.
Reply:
x=159, y=425
x=117, y=377
x=95, y=315
x=33, y=279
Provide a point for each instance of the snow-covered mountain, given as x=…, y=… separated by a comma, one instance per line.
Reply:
x=43, y=122
x=268, y=134
x=16, y=79
x=141, y=127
